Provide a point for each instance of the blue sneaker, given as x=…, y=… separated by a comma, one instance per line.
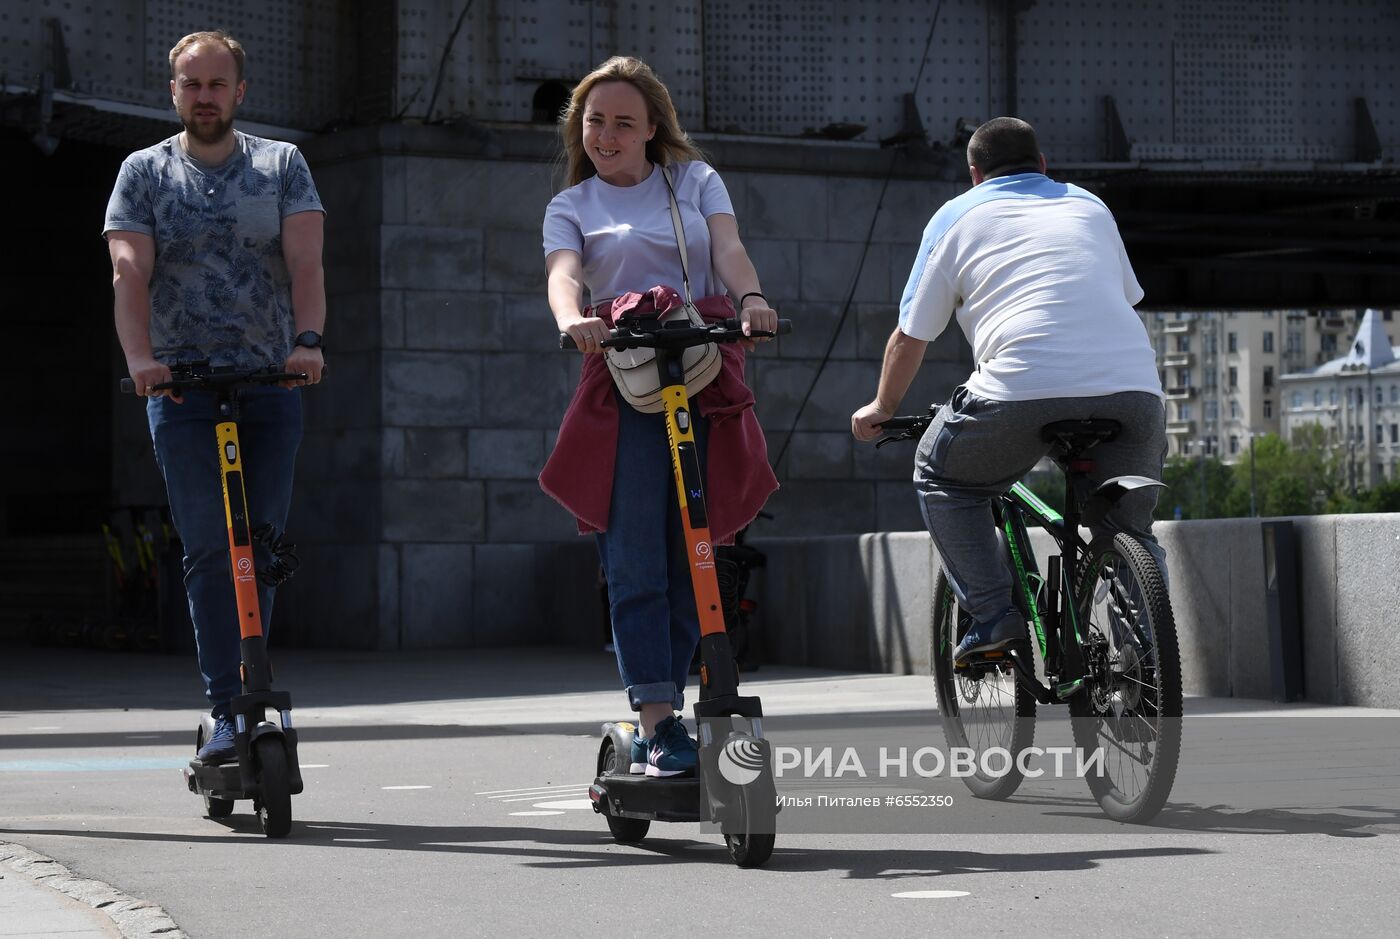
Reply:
x=672, y=752
x=219, y=747
x=994, y=636
x=640, y=745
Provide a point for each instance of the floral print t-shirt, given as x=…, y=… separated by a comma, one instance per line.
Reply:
x=220, y=289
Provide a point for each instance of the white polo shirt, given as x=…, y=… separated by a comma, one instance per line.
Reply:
x=1036, y=274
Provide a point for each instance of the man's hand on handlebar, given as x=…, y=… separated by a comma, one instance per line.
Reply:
x=147, y=372
x=303, y=360
x=865, y=423
x=587, y=332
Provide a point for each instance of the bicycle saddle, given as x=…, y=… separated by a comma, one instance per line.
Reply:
x=1077, y=436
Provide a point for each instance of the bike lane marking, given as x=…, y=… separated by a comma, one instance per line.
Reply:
x=930, y=894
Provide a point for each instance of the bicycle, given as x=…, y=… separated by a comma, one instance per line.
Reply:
x=1104, y=634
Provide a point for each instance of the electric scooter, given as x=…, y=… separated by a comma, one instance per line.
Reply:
x=733, y=786
x=267, y=771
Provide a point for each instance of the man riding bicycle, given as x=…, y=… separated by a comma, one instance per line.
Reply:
x=1036, y=274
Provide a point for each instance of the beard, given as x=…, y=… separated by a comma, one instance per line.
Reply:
x=207, y=133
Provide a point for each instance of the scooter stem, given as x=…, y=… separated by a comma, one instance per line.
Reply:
x=718, y=674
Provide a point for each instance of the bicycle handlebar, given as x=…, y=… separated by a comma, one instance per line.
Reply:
x=202, y=377
x=908, y=425
x=906, y=422
x=680, y=337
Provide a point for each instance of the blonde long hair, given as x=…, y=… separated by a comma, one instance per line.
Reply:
x=669, y=145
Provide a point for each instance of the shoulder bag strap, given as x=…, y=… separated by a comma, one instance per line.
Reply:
x=680, y=231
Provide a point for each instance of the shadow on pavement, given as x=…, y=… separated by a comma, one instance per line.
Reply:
x=565, y=848
x=56, y=679
x=1227, y=819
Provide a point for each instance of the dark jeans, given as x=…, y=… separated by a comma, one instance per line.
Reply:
x=269, y=430
x=655, y=625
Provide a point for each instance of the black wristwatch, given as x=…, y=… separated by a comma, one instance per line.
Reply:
x=309, y=339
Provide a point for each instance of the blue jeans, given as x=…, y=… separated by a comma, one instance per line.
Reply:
x=655, y=625
x=269, y=430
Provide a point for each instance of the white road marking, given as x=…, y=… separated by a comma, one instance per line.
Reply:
x=550, y=812
x=405, y=787
x=360, y=840
x=48, y=727
x=930, y=894
x=582, y=790
x=314, y=765
x=566, y=804
x=549, y=788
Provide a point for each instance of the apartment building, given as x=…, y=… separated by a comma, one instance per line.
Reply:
x=1356, y=399
x=1221, y=371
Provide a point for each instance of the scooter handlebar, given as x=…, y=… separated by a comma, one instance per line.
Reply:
x=729, y=330
x=199, y=380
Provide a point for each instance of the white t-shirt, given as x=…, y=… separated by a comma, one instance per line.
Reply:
x=625, y=235
x=1036, y=274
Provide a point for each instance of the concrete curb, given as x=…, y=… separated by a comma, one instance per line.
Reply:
x=134, y=918
x=864, y=602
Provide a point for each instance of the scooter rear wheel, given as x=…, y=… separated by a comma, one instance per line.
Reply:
x=274, y=802
x=624, y=830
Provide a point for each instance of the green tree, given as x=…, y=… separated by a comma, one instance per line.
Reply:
x=1382, y=498
x=1296, y=479
x=1199, y=488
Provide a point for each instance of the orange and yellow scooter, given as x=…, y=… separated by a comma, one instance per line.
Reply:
x=267, y=771
x=733, y=787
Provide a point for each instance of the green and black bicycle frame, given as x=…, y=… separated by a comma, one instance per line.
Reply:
x=1047, y=602
x=1056, y=612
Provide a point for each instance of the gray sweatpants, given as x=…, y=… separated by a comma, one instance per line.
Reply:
x=976, y=449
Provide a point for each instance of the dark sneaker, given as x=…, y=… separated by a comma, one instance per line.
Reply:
x=640, y=745
x=993, y=637
x=672, y=752
x=219, y=747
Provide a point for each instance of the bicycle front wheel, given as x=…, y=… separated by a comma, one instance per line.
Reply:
x=1130, y=707
x=983, y=707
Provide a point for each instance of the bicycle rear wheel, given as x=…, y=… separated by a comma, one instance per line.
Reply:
x=1131, y=703
x=983, y=707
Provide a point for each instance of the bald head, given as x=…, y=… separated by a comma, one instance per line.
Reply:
x=1004, y=146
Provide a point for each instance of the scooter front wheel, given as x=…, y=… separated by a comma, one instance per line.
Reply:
x=748, y=848
x=274, y=802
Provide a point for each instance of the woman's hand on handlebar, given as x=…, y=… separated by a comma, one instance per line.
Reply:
x=588, y=332
x=147, y=372
x=757, y=317
x=865, y=423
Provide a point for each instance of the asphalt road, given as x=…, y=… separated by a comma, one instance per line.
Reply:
x=445, y=795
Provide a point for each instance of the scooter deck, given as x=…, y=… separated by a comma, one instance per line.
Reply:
x=220, y=780
x=664, y=798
